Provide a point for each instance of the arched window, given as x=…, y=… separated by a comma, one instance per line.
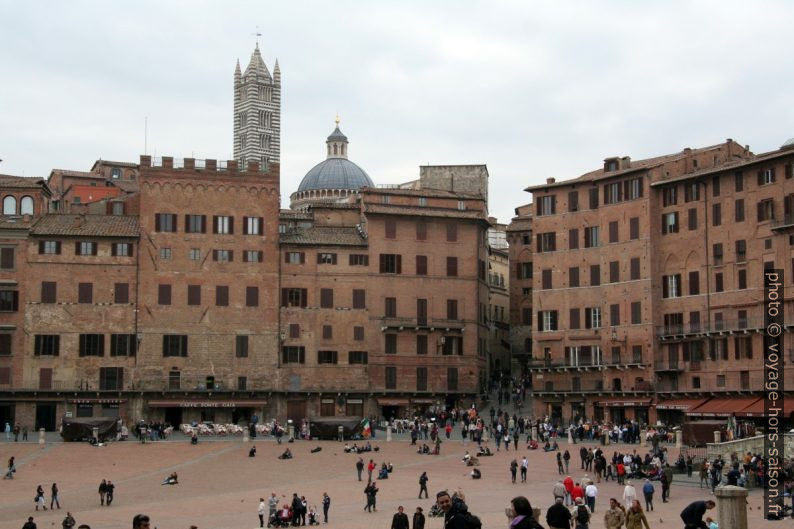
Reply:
x=343, y=149
x=329, y=150
x=26, y=206
x=335, y=148
x=9, y=205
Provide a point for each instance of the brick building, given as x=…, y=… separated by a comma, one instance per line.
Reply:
x=639, y=307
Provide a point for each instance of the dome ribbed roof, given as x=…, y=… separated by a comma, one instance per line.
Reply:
x=337, y=135
x=335, y=173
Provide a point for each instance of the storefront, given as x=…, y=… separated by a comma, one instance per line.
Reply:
x=97, y=408
x=618, y=410
x=737, y=412
x=178, y=412
x=393, y=408
x=672, y=412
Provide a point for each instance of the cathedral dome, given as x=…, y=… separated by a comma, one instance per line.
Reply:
x=335, y=173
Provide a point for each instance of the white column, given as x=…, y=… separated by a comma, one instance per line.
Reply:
x=388, y=432
x=732, y=506
x=679, y=438
x=41, y=436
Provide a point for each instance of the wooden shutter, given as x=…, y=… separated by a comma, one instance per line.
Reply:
x=45, y=378
x=304, y=297
x=215, y=224
x=156, y=222
x=421, y=231
x=573, y=317
x=573, y=239
x=588, y=318
x=788, y=172
x=77, y=247
x=121, y=293
x=284, y=297
x=231, y=225
x=251, y=296
x=245, y=225
x=694, y=283
x=399, y=263
x=7, y=258
x=540, y=243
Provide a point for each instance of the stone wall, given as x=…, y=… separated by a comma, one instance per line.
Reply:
x=753, y=445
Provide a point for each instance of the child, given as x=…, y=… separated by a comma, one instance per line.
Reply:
x=313, y=516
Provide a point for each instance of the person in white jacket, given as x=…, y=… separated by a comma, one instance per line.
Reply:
x=261, y=511
x=629, y=494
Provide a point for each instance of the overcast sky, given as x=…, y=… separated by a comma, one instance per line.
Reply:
x=531, y=89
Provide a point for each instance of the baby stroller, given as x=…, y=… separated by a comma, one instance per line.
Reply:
x=435, y=511
x=282, y=518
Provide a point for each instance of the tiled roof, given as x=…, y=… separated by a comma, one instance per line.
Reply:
x=520, y=224
x=731, y=165
x=424, y=211
x=87, y=226
x=128, y=186
x=321, y=235
x=423, y=192
x=8, y=181
x=109, y=163
x=16, y=222
x=293, y=214
x=77, y=174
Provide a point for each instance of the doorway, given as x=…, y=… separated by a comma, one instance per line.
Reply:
x=6, y=414
x=45, y=416
x=173, y=416
x=618, y=415
x=296, y=410
x=241, y=415
x=390, y=412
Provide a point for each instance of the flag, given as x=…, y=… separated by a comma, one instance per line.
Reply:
x=366, y=429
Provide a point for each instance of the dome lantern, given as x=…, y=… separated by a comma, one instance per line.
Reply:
x=336, y=143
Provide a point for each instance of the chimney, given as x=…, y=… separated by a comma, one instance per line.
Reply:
x=551, y=180
x=146, y=160
x=190, y=163
x=210, y=164
x=231, y=165
x=168, y=162
x=687, y=150
x=625, y=162
x=253, y=167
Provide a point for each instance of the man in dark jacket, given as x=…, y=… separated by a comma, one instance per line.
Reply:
x=423, y=484
x=400, y=519
x=557, y=516
x=455, y=511
x=296, y=509
x=692, y=515
x=419, y=519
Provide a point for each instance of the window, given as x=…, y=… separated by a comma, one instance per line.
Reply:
x=524, y=270
x=357, y=357
x=385, y=199
x=117, y=208
x=421, y=379
x=720, y=381
x=593, y=196
x=741, y=251
x=452, y=309
x=634, y=228
x=326, y=357
x=85, y=248
x=294, y=330
x=766, y=210
x=390, y=228
x=636, y=312
x=694, y=283
x=328, y=332
x=452, y=345
x=359, y=299
x=671, y=286
x=613, y=231
x=614, y=271
x=195, y=223
x=743, y=347
x=222, y=225
x=9, y=300
x=635, y=268
x=548, y=320
x=390, y=344
x=121, y=249
x=174, y=345
x=573, y=201
x=223, y=256
x=421, y=344
x=595, y=275
x=613, y=193
x=546, y=279
x=358, y=334
x=592, y=318
x=717, y=253
x=614, y=314
x=295, y=258
x=326, y=258
x=452, y=266
x=357, y=259
x=573, y=277
x=422, y=201
x=526, y=316
x=194, y=254
x=293, y=354
x=573, y=319
x=461, y=205
x=674, y=323
x=221, y=296
x=5, y=344
x=695, y=382
x=715, y=186
x=421, y=265
x=738, y=179
x=716, y=214
x=123, y=345
x=165, y=222
x=669, y=197
x=26, y=205
x=163, y=294
x=174, y=380
x=591, y=237
x=165, y=253
x=452, y=232
x=766, y=176
x=718, y=282
x=742, y=279
x=194, y=294
x=547, y=205
x=111, y=378
x=48, y=291
x=252, y=256
x=691, y=192
x=9, y=205
x=50, y=247
x=251, y=296
x=391, y=377
x=390, y=308
x=693, y=219
x=92, y=345
x=253, y=226
x=293, y=297
x=670, y=223
x=547, y=242
x=390, y=263
x=85, y=292
x=326, y=298
x=452, y=379
x=46, y=345
x=241, y=346
x=282, y=228
x=115, y=173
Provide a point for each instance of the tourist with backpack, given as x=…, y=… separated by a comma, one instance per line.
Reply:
x=581, y=515
x=558, y=516
x=456, y=513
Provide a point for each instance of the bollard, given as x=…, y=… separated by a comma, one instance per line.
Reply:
x=732, y=506
x=717, y=437
x=41, y=436
x=290, y=429
x=246, y=435
x=95, y=432
x=679, y=438
x=644, y=437
x=341, y=433
x=570, y=437
x=388, y=433
x=535, y=433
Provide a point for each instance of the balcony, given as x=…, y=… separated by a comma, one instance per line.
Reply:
x=786, y=222
x=402, y=324
x=721, y=327
x=541, y=366
x=660, y=366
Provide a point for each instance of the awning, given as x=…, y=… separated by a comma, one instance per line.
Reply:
x=622, y=402
x=423, y=401
x=756, y=409
x=206, y=403
x=96, y=401
x=721, y=407
x=392, y=402
x=680, y=404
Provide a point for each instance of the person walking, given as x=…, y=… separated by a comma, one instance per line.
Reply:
x=370, y=468
x=524, y=467
x=513, y=470
x=359, y=467
x=261, y=512
x=11, y=469
x=371, y=490
x=566, y=458
x=629, y=494
x=704, y=473
x=109, y=490
x=559, y=463
x=400, y=519
x=326, y=506
x=423, y=485
x=635, y=518
x=615, y=515
x=30, y=524
x=559, y=490
x=581, y=515
x=557, y=516
x=647, y=492
x=419, y=519
x=40, y=498
x=8, y=431
x=272, y=507
x=54, y=497
x=666, y=479
x=568, y=483
x=590, y=493
x=68, y=522
x=103, y=488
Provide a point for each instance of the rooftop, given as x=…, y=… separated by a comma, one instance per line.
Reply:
x=87, y=226
x=321, y=235
x=21, y=182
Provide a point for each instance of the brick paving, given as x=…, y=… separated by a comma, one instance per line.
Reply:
x=220, y=486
